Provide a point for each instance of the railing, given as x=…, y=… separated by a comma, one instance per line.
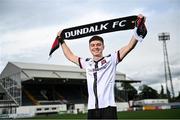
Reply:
x=8, y=97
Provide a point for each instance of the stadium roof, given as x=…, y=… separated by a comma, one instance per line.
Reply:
x=28, y=71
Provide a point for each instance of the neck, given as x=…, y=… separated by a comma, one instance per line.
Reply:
x=96, y=58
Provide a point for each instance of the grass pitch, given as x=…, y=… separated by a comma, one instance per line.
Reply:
x=155, y=114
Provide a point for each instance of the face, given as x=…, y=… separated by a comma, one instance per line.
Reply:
x=96, y=47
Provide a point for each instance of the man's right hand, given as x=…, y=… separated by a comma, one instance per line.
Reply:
x=59, y=37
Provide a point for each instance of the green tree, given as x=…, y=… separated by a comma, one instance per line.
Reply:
x=162, y=94
x=129, y=91
x=147, y=92
x=177, y=99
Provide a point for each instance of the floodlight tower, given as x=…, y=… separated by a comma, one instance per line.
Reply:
x=167, y=72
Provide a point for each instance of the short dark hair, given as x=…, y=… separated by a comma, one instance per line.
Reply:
x=96, y=38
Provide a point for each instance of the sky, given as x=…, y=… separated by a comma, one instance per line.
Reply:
x=28, y=29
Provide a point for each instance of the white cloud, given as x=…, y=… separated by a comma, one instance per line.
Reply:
x=18, y=42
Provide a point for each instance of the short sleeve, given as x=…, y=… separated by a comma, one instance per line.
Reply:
x=82, y=63
x=115, y=57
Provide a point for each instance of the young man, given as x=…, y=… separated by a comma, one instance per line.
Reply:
x=101, y=71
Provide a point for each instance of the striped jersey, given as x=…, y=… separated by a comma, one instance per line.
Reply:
x=100, y=80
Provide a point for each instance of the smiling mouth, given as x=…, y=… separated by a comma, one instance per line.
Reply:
x=96, y=51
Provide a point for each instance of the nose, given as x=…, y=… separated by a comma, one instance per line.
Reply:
x=96, y=46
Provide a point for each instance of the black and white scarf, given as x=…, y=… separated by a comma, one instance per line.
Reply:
x=118, y=24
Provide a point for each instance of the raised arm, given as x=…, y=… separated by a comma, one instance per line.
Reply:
x=67, y=52
x=126, y=49
x=140, y=32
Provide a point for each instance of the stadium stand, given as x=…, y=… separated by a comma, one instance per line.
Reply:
x=30, y=84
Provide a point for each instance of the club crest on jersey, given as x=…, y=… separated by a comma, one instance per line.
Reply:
x=103, y=62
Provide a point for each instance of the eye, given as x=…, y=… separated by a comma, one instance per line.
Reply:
x=99, y=44
x=92, y=45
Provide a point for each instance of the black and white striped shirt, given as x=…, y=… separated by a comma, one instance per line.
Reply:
x=100, y=80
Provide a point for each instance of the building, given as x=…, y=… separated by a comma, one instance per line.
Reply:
x=30, y=84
